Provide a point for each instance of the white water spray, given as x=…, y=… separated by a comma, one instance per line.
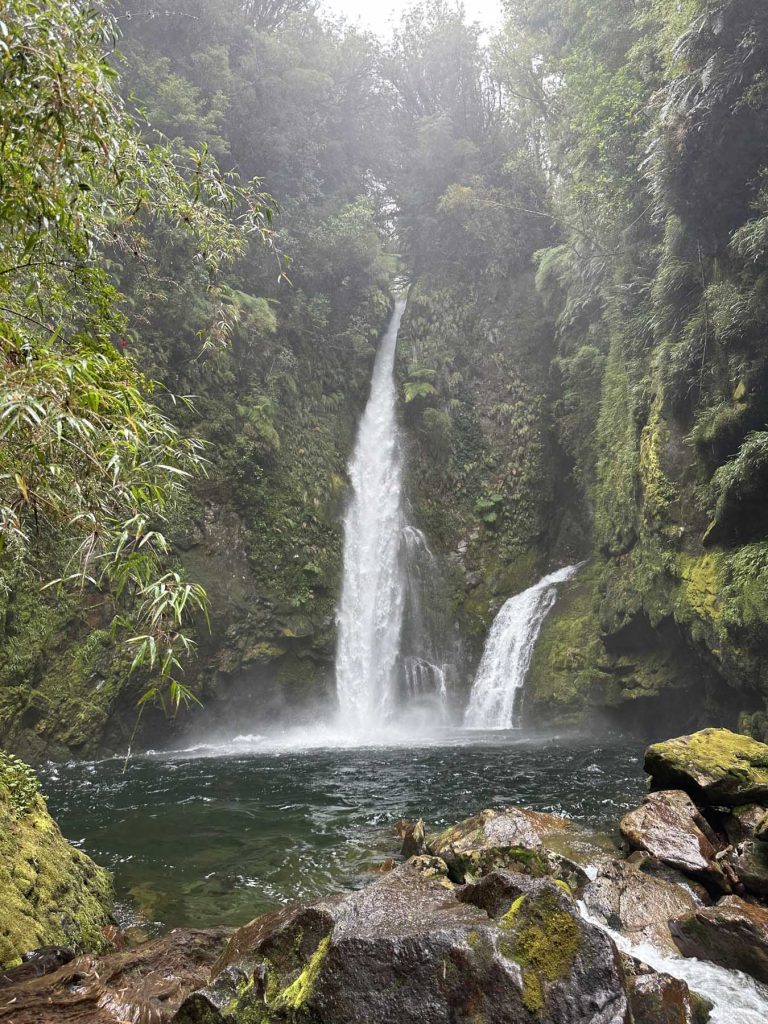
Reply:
x=370, y=613
x=737, y=998
x=494, y=702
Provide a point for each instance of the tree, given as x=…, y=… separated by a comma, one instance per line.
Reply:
x=86, y=454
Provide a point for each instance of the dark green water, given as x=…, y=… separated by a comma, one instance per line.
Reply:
x=201, y=840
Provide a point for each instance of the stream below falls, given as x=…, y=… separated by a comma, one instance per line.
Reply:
x=220, y=834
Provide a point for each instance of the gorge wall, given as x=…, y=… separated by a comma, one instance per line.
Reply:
x=583, y=218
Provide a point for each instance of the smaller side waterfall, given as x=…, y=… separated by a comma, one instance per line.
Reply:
x=494, y=702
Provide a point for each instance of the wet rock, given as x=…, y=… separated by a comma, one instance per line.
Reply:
x=733, y=933
x=496, y=892
x=636, y=904
x=662, y=999
x=432, y=867
x=658, y=869
x=761, y=829
x=741, y=822
x=714, y=766
x=413, y=840
x=511, y=840
x=750, y=862
x=669, y=826
x=406, y=951
x=144, y=985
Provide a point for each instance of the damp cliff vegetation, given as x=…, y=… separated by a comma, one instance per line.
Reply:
x=579, y=205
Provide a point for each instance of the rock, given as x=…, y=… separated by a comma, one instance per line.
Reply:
x=750, y=863
x=733, y=933
x=662, y=999
x=51, y=894
x=714, y=766
x=413, y=840
x=669, y=827
x=741, y=822
x=406, y=951
x=497, y=891
x=432, y=867
x=145, y=985
x=657, y=869
x=511, y=840
x=637, y=904
x=761, y=829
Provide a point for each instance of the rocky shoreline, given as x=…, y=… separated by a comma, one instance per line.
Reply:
x=509, y=917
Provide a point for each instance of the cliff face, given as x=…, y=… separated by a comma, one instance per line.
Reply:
x=582, y=367
x=674, y=604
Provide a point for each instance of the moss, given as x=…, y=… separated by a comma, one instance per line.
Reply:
x=730, y=767
x=567, y=651
x=658, y=491
x=701, y=585
x=544, y=941
x=616, y=512
x=295, y=995
x=50, y=893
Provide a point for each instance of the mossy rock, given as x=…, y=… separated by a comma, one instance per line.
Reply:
x=512, y=840
x=50, y=893
x=714, y=766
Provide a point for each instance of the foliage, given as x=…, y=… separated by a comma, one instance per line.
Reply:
x=85, y=451
x=19, y=781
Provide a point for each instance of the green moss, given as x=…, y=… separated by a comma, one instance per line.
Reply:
x=544, y=941
x=658, y=492
x=295, y=995
x=701, y=585
x=733, y=768
x=567, y=651
x=50, y=893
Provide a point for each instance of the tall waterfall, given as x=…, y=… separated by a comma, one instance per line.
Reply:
x=494, y=702
x=370, y=614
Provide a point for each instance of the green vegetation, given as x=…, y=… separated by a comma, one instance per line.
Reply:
x=51, y=893
x=580, y=208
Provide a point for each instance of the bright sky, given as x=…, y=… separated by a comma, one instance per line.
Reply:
x=379, y=15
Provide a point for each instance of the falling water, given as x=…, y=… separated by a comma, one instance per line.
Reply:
x=494, y=702
x=424, y=668
x=370, y=613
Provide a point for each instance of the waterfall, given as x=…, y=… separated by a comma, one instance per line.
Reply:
x=424, y=670
x=370, y=613
x=494, y=702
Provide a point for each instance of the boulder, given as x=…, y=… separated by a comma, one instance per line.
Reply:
x=761, y=829
x=413, y=836
x=668, y=826
x=741, y=823
x=636, y=904
x=733, y=933
x=51, y=894
x=146, y=984
x=750, y=862
x=661, y=999
x=715, y=767
x=406, y=951
x=497, y=891
x=511, y=840
x=657, y=869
